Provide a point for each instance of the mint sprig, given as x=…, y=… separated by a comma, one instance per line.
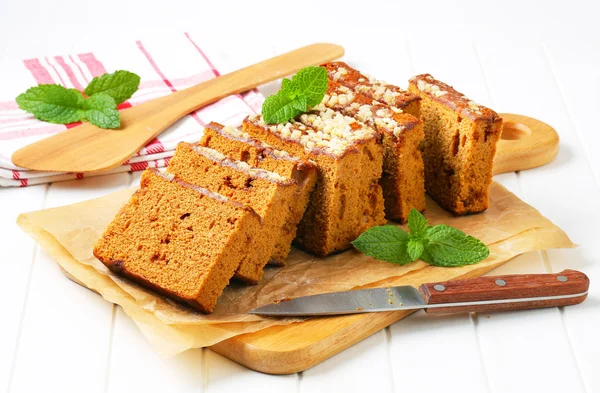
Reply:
x=438, y=245
x=57, y=104
x=101, y=111
x=53, y=103
x=120, y=85
x=306, y=89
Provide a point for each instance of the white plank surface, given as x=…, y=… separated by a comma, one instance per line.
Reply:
x=504, y=55
x=66, y=329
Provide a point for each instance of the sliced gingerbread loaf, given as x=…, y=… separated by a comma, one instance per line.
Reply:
x=347, y=199
x=181, y=240
x=269, y=194
x=239, y=145
x=402, y=179
x=381, y=91
x=459, y=146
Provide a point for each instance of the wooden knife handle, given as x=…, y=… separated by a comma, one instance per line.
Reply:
x=494, y=288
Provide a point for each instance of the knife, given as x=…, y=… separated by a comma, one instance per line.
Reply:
x=483, y=294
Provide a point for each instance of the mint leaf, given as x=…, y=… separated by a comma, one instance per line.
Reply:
x=53, y=103
x=120, y=85
x=417, y=223
x=101, y=111
x=300, y=105
x=451, y=247
x=288, y=87
x=415, y=248
x=312, y=83
x=387, y=243
x=279, y=108
x=306, y=89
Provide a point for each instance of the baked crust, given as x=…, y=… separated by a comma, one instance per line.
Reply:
x=394, y=96
x=447, y=95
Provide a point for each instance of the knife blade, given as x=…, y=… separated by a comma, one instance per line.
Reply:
x=495, y=293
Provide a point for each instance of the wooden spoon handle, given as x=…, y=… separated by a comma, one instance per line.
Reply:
x=537, y=287
x=87, y=148
x=176, y=105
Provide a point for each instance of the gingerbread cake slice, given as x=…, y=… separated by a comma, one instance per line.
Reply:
x=402, y=179
x=239, y=145
x=347, y=199
x=269, y=194
x=181, y=240
x=381, y=91
x=459, y=146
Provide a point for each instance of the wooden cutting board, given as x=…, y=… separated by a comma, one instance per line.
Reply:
x=526, y=143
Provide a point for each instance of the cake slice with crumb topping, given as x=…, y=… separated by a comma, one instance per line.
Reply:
x=381, y=91
x=459, y=146
x=239, y=145
x=268, y=193
x=179, y=239
x=402, y=179
x=347, y=199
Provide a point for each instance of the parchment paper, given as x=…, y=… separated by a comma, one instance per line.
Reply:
x=509, y=227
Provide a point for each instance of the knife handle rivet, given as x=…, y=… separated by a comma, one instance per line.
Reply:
x=500, y=282
x=562, y=278
x=439, y=287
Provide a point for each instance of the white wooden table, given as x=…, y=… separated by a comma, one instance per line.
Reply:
x=541, y=60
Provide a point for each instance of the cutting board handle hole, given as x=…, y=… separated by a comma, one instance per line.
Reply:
x=513, y=131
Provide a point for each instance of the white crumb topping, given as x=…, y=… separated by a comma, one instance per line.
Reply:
x=430, y=88
x=434, y=89
x=323, y=128
x=236, y=133
x=215, y=195
x=284, y=155
x=339, y=73
x=233, y=131
x=380, y=91
x=217, y=156
x=375, y=115
x=475, y=107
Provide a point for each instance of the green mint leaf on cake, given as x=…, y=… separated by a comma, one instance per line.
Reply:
x=120, y=85
x=289, y=89
x=101, y=111
x=451, y=247
x=311, y=82
x=279, y=108
x=306, y=89
x=53, y=103
x=386, y=243
x=438, y=245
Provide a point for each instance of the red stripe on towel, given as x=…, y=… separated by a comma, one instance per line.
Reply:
x=212, y=67
x=163, y=76
x=210, y=64
x=39, y=72
x=62, y=82
x=93, y=65
x=139, y=166
x=79, y=68
x=70, y=74
x=10, y=135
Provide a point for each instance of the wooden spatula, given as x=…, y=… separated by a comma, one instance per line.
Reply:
x=88, y=148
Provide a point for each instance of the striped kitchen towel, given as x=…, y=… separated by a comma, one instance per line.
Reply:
x=165, y=66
